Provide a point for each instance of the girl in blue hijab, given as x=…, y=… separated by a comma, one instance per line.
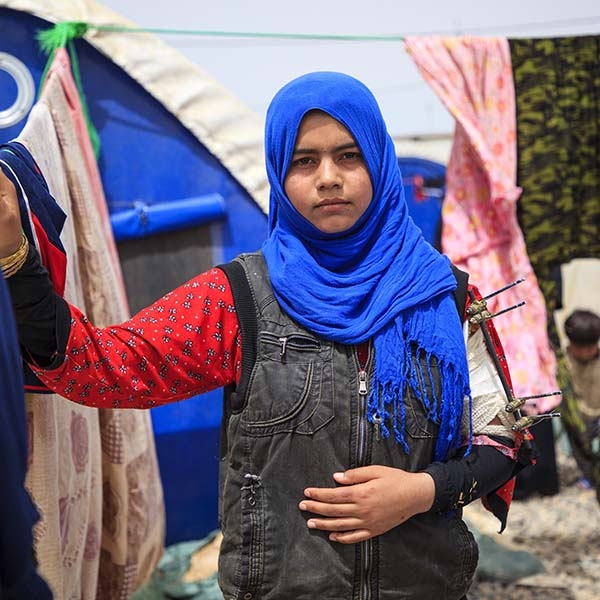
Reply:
x=352, y=275
x=378, y=279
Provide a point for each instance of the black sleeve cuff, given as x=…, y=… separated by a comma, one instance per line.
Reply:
x=463, y=479
x=42, y=316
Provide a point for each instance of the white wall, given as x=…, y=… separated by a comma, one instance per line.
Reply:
x=255, y=68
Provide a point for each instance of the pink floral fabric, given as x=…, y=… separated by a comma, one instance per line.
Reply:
x=480, y=232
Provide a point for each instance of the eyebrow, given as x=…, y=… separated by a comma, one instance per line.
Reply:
x=336, y=149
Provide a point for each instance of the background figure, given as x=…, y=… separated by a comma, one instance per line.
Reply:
x=18, y=576
x=582, y=328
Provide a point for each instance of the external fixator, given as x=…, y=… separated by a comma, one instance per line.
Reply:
x=478, y=311
x=516, y=403
x=530, y=420
x=479, y=314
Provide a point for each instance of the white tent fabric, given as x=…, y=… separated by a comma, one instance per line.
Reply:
x=218, y=119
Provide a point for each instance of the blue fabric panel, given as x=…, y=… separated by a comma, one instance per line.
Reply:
x=18, y=576
x=424, y=203
x=143, y=220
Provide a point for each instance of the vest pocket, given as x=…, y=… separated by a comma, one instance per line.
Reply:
x=291, y=387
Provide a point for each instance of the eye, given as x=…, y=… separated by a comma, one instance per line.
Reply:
x=351, y=155
x=303, y=161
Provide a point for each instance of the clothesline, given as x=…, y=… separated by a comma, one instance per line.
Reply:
x=74, y=29
x=82, y=27
x=255, y=34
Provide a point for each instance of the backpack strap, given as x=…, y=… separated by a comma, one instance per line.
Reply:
x=246, y=309
x=460, y=293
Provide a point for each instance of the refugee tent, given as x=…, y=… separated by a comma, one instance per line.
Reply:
x=181, y=164
x=424, y=183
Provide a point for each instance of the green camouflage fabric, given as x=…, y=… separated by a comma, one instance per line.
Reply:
x=557, y=87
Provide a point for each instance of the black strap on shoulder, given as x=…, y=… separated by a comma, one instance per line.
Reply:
x=460, y=293
x=246, y=310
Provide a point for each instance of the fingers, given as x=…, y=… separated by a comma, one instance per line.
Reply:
x=337, y=495
x=327, y=509
x=360, y=474
x=8, y=194
x=344, y=531
x=5, y=182
x=348, y=524
x=343, y=520
x=347, y=530
x=351, y=537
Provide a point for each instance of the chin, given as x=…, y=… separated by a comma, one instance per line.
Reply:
x=335, y=227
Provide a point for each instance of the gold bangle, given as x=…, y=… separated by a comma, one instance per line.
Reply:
x=11, y=264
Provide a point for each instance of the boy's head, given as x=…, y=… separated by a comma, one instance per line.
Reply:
x=582, y=328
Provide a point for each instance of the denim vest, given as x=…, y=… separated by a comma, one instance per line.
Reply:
x=300, y=417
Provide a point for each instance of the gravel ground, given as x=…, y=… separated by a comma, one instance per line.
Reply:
x=562, y=531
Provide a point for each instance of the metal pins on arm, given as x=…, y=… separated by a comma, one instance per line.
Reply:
x=478, y=311
x=479, y=315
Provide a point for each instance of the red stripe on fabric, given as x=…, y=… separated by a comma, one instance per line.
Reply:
x=36, y=388
x=54, y=259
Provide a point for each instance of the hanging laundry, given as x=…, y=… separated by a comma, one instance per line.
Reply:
x=93, y=474
x=480, y=232
x=557, y=90
x=18, y=515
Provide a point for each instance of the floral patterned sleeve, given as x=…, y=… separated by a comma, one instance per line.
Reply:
x=184, y=344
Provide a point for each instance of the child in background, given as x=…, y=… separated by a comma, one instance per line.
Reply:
x=582, y=328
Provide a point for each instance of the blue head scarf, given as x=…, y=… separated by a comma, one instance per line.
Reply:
x=379, y=279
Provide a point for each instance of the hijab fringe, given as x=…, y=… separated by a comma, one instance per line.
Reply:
x=387, y=407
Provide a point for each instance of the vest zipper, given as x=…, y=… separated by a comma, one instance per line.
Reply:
x=363, y=392
x=366, y=553
x=366, y=549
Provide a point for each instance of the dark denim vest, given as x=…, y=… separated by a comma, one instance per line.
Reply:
x=301, y=418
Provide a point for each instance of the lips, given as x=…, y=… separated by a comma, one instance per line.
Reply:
x=331, y=202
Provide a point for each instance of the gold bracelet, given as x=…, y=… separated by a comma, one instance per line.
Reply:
x=11, y=264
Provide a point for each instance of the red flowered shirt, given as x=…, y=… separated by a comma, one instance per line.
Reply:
x=186, y=343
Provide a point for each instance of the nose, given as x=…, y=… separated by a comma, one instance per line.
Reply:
x=328, y=174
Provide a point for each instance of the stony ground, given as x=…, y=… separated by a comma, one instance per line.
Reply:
x=562, y=531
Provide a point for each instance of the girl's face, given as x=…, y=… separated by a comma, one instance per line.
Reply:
x=327, y=182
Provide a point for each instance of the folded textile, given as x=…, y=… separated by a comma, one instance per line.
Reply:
x=42, y=220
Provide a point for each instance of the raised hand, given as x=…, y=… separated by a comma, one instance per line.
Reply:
x=368, y=502
x=10, y=221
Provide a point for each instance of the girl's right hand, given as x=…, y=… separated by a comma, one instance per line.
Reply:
x=10, y=219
